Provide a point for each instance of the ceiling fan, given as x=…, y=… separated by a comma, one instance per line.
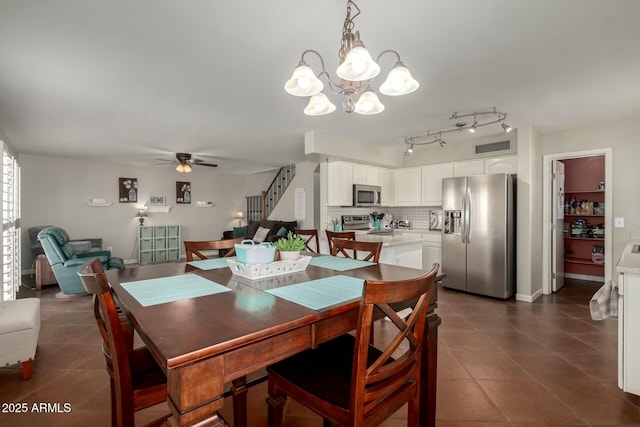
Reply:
x=184, y=162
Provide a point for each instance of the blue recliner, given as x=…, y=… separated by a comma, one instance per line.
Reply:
x=66, y=258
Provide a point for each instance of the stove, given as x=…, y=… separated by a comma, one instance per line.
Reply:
x=355, y=222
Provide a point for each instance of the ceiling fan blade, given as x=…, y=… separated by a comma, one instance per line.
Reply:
x=200, y=162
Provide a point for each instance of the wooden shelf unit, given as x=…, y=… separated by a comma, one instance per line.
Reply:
x=582, y=178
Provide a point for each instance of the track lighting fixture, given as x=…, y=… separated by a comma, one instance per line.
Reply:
x=492, y=116
x=356, y=70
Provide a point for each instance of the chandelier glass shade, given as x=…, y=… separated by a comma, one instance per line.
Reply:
x=356, y=70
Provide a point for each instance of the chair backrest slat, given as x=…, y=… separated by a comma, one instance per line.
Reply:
x=350, y=249
x=308, y=236
x=331, y=235
x=195, y=247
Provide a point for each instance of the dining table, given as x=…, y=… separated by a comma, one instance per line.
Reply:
x=207, y=326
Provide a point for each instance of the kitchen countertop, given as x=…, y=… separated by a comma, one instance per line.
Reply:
x=629, y=262
x=392, y=239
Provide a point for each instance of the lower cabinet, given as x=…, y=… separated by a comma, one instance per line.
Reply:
x=158, y=243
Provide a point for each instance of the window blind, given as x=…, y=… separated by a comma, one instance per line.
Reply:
x=10, y=225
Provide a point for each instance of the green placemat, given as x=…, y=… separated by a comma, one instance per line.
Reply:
x=168, y=289
x=339, y=263
x=321, y=293
x=210, y=264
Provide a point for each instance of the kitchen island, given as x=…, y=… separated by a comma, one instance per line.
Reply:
x=398, y=248
x=629, y=318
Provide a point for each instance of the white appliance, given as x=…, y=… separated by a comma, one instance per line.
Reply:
x=366, y=195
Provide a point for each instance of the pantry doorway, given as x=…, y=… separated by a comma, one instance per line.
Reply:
x=584, y=215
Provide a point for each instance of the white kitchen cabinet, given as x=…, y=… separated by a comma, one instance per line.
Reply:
x=407, y=186
x=384, y=180
x=432, y=176
x=629, y=333
x=505, y=164
x=468, y=168
x=431, y=250
x=340, y=184
x=365, y=174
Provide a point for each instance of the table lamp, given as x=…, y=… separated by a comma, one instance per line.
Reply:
x=141, y=215
x=240, y=217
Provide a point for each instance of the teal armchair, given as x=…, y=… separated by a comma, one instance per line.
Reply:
x=66, y=258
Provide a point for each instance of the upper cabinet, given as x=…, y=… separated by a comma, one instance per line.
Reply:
x=340, y=184
x=468, y=168
x=407, y=186
x=365, y=174
x=384, y=179
x=432, y=176
x=506, y=164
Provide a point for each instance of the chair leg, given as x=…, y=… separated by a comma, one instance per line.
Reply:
x=275, y=406
x=326, y=423
x=114, y=415
x=26, y=369
x=239, y=390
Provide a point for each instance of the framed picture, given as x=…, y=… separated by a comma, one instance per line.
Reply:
x=128, y=190
x=157, y=201
x=183, y=192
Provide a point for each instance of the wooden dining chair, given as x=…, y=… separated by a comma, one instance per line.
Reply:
x=137, y=382
x=331, y=235
x=194, y=247
x=351, y=383
x=350, y=248
x=308, y=236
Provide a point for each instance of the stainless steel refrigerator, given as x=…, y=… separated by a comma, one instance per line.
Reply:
x=478, y=234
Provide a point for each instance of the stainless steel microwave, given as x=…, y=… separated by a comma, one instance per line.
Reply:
x=366, y=195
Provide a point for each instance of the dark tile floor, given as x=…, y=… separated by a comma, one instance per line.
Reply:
x=500, y=364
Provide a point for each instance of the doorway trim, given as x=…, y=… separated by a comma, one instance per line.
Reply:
x=546, y=210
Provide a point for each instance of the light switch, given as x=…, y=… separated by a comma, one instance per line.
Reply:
x=618, y=222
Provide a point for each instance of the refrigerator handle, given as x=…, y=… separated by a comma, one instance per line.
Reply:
x=463, y=219
x=467, y=219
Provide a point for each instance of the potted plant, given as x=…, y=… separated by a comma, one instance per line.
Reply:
x=290, y=247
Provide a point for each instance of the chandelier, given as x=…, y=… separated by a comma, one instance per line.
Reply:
x=356, y=70
x=480, y=118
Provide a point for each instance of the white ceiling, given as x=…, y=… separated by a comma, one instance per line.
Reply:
x=135, y=80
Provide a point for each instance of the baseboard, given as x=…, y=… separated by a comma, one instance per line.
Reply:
x=529, y=298
x=584, y=277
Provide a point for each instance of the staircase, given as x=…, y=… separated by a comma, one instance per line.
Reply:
x=260, y=207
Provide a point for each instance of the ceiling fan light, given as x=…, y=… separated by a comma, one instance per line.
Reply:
x=399, y=81
x=358, y=65
x=369, y=104
x=303, y=82
x=319, y=105
x=180, y=168
x=187, y=168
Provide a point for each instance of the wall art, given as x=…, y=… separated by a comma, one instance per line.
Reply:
x=128, y=190
x=183, y=192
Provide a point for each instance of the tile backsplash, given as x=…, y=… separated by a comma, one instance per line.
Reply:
x=418, y=215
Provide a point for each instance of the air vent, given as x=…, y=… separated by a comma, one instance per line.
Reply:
x=494, y=146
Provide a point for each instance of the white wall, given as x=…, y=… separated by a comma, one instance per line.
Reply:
x=55, y=191
x=623, y=136
x=285, y=209
x=529, y=215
